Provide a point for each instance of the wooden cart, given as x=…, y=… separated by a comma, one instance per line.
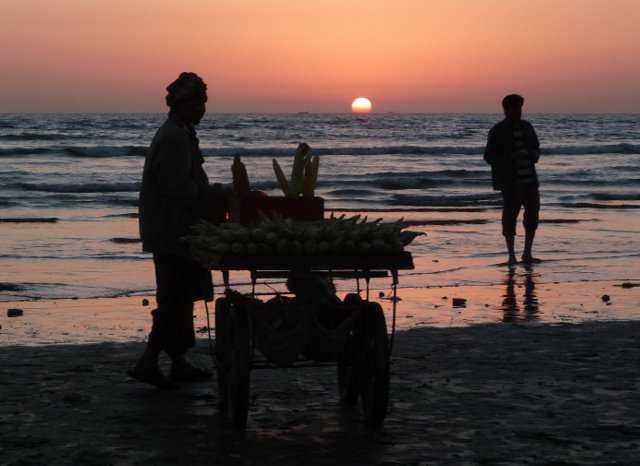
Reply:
x=360, y=349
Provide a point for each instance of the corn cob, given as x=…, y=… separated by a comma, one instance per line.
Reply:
x=241, y=185
x=307, y=184
x=297, y=171
x=315, y=164
x=282, y=180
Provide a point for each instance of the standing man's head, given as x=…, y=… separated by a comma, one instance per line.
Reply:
x=512, y=106
x=187, y=96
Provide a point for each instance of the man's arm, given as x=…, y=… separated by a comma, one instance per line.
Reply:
x=534, y=150
x=492, y=148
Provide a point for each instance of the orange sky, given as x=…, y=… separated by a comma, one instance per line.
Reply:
x=318, y=55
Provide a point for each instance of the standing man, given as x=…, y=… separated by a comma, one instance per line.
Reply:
x=175, y=194
x=513, y=150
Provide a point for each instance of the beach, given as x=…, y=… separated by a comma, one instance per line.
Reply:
x=494, y=391
x=534, y=364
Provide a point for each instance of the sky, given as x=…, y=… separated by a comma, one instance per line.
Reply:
x=319, y=55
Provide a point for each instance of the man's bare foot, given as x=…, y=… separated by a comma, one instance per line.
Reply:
x=529, y=259
x=151, y=375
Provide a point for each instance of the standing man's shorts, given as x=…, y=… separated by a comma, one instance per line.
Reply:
x=526, y=196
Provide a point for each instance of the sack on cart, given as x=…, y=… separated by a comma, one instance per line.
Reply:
x=280, y=330
x=329, y=331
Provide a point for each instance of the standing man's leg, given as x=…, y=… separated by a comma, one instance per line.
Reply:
x=510, y=209
x=172, y=330
x=531, y=203
x=529, y=236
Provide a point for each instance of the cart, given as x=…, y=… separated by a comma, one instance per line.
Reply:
x=351, y=334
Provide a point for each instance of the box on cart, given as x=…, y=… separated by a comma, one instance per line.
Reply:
x=245, y=210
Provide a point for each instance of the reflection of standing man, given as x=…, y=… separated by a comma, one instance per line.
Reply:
x=510, y=308
x=513, y=150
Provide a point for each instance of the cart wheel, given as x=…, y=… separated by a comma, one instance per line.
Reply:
x=237, y=355
x=347, y=374
x=374, y=372
x=221, y=317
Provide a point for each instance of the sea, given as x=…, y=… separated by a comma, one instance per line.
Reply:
x=69, y=188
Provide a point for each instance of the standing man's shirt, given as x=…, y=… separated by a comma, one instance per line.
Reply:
x=174, y=187
x=506, y=138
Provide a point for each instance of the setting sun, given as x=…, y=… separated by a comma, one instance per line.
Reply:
x=361, y=105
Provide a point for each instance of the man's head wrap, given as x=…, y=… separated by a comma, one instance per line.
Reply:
x=512, y=99
x=187, y=86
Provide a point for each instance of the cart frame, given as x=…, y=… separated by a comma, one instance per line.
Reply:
x=362, y=364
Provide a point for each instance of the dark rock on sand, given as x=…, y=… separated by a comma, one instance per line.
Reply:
x=459, y=302
x=14, y=312
x=629, y=285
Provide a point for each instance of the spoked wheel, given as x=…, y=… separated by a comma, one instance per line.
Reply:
x=350, y=360
x=374, y=370
x=348, y=383
x=236, y=365
x=222, y=310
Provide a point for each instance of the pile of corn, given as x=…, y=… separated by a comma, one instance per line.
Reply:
x=277, y=235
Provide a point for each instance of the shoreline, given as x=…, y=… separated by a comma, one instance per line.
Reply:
x=517, y=300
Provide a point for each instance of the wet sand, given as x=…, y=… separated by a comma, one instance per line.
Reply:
x=519, y=392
